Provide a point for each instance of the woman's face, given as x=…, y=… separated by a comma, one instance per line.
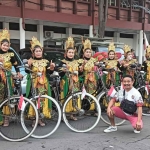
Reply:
x=70, y=53
x=129, y=56
x=38, y=52
x=88, y=53
x=5, y=46
x=111, y=55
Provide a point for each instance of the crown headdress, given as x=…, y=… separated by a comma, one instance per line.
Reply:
x=69, y=43
x=34, y=43
x=87, y=45
x=4, y=35
x=111, y=47
x=127, y=48
x=148, y=49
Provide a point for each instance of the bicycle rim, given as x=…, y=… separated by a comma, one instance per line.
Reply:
x=84, y=123
x=104, y=117
x=51, y=123
x=17, y=120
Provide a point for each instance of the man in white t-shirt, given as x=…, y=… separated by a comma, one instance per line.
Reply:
x=131, y=94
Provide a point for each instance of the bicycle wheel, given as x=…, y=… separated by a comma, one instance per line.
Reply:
x=52, y=121
x=146, y=99
x=17, y=119
x=102, y=99
x=86, y=111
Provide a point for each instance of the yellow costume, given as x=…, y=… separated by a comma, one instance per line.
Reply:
x=89, y=72
x=41, y=83
x=128, y=70
x=68, y=82
x=8, y=60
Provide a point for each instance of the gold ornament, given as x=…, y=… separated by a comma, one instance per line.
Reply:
x=4, y=35
x=34, y=43
x=87, y=45
x=111, y=47
x=148, y=49
x=127, y=49
x=69, y=43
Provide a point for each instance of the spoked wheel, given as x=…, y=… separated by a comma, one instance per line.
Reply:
x=146, y=99
x=103, y=101
x=81, y=115
x=49, y=116
x=16, y=119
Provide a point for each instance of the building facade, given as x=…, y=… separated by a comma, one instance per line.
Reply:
x=127, y=20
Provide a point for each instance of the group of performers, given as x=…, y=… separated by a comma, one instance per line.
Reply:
x=83, y=71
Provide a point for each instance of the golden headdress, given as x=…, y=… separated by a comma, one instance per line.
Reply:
x=87, y=45
x=148, y=49
x=4, y=35
x=34, y=43
x=127, y=49
x=111, y=47
x=69, y=43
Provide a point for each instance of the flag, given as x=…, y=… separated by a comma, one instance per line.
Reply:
x=83, y=92
x=112, y=92
x=147, y=89
x=21, y=104
x=145, y=45
x=122, y=88
x=38, y=103
x=145, y=42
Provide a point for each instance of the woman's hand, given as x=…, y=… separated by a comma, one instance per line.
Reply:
x=52, y=65
x=30, y=61
x=81, y=68
x=19, y=75
x=1, y=59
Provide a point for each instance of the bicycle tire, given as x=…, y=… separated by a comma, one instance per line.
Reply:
x=97, y=108
x=102, y=118
x=58, y=121
x=22, y=120
x=142, y=94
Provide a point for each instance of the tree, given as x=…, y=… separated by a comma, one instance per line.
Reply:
x=102, y=11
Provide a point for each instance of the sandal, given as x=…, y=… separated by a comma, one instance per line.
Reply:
x=73, y=118
x=6, y=122
x=42, y=124
x=33, y=123
x=95, y=114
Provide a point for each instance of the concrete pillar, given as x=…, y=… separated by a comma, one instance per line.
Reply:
x=22, y=35
x=40, y=34
x=6, y=25
x=91, y=31
x=140, y=54
x=135, y=43
x=116, y=37
x=68, y=31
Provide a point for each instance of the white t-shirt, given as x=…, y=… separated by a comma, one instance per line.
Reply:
x=132, y=95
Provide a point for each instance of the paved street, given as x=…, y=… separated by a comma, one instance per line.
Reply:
x=64, y=139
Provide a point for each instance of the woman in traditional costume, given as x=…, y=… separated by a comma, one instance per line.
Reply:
x=8, y=59
x=88, y=65
x=113, y=67
x=128, y=61
x=68, y=82
x=146, y=68
x=39, y=65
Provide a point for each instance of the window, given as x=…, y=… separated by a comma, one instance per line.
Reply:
x=80, y=31
x=122, y=35
x=112, y=2
x=125, y=3
x=1, y=25
x=109, y=33
x=13, y=26
x=55, y=29
x=31, y=27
